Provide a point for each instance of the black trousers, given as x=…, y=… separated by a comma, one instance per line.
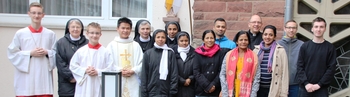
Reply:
x=322, y=92
x=263, y=92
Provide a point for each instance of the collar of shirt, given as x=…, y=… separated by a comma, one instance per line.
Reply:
x=34, y=30
x=94, y=46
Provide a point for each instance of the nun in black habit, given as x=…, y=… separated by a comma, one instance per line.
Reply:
x=65, y=48
x=145, y=43
x=172, y=28
x=159, y=75
x=185, y=60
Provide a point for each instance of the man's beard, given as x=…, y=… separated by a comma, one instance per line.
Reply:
x=221, y=35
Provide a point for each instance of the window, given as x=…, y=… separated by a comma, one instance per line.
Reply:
x=58, y=12
x=129, y=8
x=90, y=8
x=14, y=6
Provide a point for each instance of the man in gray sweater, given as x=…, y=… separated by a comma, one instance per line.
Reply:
x=292, y=46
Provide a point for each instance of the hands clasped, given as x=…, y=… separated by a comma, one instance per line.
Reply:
x=38, y=52
x=91, y=71
x=127, y=72
x=187, y=82
x=312, y=87
x=212, y=89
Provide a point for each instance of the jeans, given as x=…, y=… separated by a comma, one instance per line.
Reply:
x=293, y=91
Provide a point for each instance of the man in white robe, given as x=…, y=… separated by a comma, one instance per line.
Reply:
x=127, y=55
x=31, y=53
x=88, y=63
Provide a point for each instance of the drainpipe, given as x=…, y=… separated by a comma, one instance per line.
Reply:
x=288, y=11
x=191, y=29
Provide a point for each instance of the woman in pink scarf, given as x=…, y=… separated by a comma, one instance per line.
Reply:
x=239, y=75
x=207, y=65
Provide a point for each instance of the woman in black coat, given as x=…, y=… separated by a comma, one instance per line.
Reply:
x=207, y=66
x=185, y=59
x=65, y=48
x=159, y=75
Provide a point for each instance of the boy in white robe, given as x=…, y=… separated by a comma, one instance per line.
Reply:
x=31, y=52
x=88, y=63
x=127, y=55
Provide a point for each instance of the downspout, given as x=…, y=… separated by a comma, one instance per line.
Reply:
x=288, y=14
x=190, y=13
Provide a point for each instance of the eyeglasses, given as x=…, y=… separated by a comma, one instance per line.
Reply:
x=96, y=33
x=36, y=13
x=255, y=22
x=291, y=28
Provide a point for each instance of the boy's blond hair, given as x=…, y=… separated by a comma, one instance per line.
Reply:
x=36, y=4
x=94, y=25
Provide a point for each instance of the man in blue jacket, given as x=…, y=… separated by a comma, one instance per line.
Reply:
x=219, y=29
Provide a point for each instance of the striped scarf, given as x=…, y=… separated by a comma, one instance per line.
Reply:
x=271, y=48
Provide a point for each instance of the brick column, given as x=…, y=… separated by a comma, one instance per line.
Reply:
x=237, y=14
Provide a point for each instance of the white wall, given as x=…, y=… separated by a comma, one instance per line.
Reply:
x=6, y=68
x=7, y=33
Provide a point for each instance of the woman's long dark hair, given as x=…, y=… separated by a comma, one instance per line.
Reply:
x=273, y=28
x=239, y=34
x=206, y=32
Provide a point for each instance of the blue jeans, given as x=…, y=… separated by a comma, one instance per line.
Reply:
x=293, y=91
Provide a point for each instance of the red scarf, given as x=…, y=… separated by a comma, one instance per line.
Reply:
x=94, y=46
x=247, y=74
x=34, y=30
x=209, y=52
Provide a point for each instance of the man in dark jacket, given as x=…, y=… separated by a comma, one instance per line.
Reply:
x=65, y=48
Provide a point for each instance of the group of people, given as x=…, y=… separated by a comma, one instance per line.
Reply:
x=164, y=64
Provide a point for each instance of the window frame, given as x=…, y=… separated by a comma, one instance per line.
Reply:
x=107, y=21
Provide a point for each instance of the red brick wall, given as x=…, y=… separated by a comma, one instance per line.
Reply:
x=237, y=14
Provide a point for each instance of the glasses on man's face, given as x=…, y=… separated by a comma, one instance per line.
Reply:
x=95, y=33
x=36, y=13
x=255, y=22
x=293, y=28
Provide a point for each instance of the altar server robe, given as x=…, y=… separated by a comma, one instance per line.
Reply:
x=100, y=59
x=33, y=75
